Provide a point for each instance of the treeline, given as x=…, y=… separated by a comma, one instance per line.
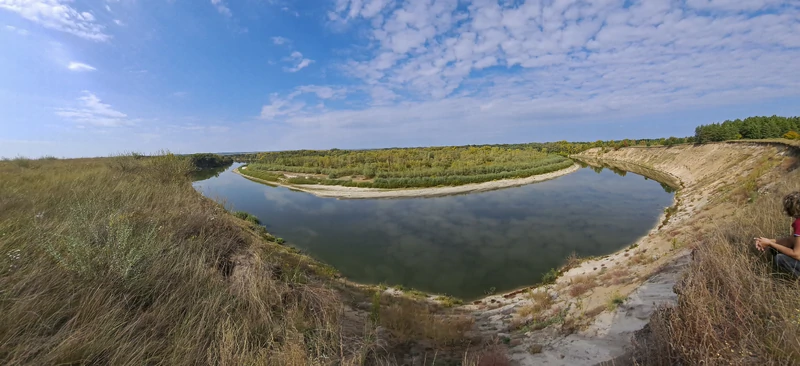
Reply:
x=565, y=148
x=452, y=165
x=422, y=161
x=762, y=127
x=403, y=163
x=409, y=182
x=207, y=161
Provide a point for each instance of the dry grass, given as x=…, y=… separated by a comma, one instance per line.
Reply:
x=409, y=320
x=573, y=260
x=119, y=261
x=616, y=276
x=494, y=355
x=641, y=258
x=540, y=301
x=582, y=284
x=733, y=308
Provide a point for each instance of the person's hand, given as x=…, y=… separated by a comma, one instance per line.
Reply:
x=763, y=243
x=758, y=245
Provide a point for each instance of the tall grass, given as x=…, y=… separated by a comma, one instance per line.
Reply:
x=119, y=261
x=733, y=307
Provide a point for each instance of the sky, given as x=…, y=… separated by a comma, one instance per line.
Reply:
x=103, y=77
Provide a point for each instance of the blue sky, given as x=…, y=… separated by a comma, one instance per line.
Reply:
x=94, y=78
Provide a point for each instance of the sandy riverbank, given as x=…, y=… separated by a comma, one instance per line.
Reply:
x=364, y=193
x=642, y=275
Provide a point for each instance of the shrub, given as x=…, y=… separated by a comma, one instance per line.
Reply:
x=792, y=135
x=550, y=276
x=246, y=216
x=114, y=249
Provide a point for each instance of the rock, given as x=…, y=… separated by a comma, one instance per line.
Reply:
x=383, y=335
x=535, y=348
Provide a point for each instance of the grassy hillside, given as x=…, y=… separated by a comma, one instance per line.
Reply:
x=403, y=168
x=734, y=306
x=120, y=261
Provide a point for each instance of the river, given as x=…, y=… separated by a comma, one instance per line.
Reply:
x=466, y=245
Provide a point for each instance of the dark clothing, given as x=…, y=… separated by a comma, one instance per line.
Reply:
x=787, y=263
x=796, y=227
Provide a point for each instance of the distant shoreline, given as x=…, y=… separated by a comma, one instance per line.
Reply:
x=366, y=193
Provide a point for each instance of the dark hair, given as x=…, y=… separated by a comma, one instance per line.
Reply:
x=791, y=204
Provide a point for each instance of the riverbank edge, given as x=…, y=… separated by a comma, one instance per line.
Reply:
x=606, y=336
x=638, y=169
x=341, y=192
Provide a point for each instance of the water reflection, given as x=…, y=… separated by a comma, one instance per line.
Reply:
x=459, y=245
x=204, y=174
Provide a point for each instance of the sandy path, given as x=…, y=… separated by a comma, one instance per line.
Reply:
x=363, y=193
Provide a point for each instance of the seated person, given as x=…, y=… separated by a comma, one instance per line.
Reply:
x=788, y=248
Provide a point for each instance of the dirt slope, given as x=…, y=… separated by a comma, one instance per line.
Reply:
x=561, y=323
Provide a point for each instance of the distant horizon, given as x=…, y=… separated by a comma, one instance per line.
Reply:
x=229, y=153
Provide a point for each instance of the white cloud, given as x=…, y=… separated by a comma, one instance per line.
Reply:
x=119, y=22
x=280, y=40
x=301, y=62
x=322, y=92
x=535, y=60
x=79, y=66
x=58, y=15
x=93, y=112
x=16, y=30
x=289, y=106
x=279, y=107
x=222, y=8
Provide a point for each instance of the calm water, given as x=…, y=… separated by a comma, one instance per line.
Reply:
x=463, y=245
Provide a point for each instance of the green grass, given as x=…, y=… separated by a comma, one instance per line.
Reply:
x=247, y=217
x=615, y=300
x=550, y=276
x=449, y=301
x=403, y=168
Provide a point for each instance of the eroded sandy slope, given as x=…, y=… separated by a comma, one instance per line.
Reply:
x=575, y=326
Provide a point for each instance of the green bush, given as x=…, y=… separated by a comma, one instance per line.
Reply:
x=246, y=216
x=114, y=249
x=550, y=276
